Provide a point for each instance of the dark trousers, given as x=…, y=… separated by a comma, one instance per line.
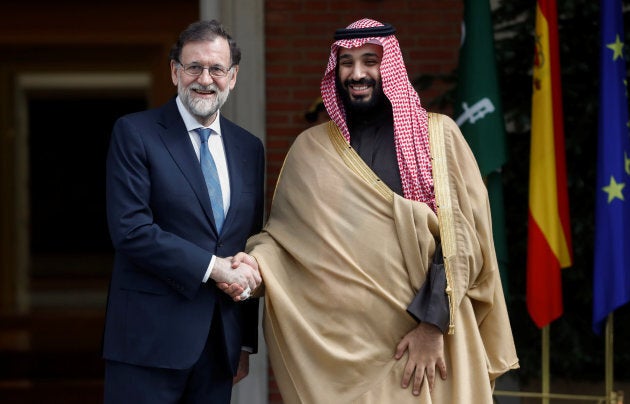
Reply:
x=209, y=381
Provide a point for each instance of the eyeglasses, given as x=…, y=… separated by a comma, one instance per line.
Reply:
x=216, y=71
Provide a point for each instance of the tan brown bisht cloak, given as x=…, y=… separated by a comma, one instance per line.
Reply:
x=342, y=256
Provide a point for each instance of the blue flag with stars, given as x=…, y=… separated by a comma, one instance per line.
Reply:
x=611, y=273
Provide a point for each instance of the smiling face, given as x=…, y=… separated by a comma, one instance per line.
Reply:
x=359, y=77
x=204, y=95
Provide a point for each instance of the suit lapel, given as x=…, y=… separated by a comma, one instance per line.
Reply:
x=233, y=157
x=176, y=139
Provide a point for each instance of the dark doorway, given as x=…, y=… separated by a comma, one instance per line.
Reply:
x=68, y=140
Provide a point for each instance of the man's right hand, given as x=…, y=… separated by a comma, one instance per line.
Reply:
x=242, y=274
x=234, y=290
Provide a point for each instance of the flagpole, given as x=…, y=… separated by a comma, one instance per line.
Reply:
x=545, y=364
x=609, y=351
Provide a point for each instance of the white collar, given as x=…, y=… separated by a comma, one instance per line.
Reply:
x=192, y=123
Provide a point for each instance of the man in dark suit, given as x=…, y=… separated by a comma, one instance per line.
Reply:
x=178, y=203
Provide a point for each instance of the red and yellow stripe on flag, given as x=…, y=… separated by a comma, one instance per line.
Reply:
x=549, y=238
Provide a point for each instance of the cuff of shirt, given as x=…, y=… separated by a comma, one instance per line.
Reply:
x=430, y=305
x=209, y=270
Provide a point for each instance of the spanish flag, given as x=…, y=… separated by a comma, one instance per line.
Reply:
x=549, y=238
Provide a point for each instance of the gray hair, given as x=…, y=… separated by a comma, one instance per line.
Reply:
x=205, y=31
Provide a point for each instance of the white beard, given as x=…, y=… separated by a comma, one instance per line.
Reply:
x=201, y=107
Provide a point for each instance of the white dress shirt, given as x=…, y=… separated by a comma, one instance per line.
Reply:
x=215, y=144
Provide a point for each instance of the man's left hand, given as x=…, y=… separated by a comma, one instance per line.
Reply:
x=243, y=367
x=425, y=344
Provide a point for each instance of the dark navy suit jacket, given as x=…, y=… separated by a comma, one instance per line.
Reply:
x=161, y=224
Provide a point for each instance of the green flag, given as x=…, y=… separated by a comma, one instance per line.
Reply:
x=479, y=115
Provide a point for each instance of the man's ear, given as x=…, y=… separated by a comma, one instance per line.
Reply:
x=233, y=74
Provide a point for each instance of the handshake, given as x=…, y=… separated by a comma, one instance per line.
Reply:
x=237, y=276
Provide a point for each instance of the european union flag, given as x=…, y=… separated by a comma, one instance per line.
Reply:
x=611, y=274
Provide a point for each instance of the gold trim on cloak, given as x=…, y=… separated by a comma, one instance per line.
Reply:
x=442, y=189
x=356, y=163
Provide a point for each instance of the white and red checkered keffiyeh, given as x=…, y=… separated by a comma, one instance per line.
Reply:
x=411, y=126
